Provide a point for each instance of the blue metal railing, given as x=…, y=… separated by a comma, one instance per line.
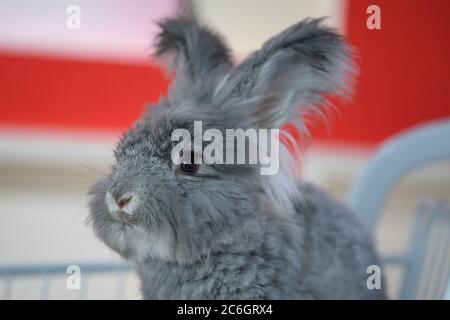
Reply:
x=46, y=271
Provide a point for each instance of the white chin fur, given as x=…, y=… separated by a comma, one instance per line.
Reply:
x=282, y=187
x=139, y=242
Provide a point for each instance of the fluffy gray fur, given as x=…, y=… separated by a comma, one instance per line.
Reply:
x=217, y=234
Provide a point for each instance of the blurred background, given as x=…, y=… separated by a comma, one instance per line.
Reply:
x=67, y=95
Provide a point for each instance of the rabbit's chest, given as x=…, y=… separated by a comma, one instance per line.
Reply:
x=218, y=278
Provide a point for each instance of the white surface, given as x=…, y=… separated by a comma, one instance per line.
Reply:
x=247, y=24
x=110, y=29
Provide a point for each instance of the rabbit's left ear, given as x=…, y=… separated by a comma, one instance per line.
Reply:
x=289, y=75
x=198, y=56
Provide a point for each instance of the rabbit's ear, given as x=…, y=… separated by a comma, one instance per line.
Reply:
x=198, y=56
x=289, y=75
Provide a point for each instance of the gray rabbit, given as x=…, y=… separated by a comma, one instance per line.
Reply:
x=218, y=231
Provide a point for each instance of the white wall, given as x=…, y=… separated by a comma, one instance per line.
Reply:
x=109, y=29
x=247, y=24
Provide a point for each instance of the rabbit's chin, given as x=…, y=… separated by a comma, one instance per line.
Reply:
x=137, y=244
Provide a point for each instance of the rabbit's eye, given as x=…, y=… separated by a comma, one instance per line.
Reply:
x=189, y=168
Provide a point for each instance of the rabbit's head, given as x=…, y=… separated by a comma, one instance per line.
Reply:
x=153, y=207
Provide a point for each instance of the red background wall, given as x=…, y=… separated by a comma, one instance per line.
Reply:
x=405, y=69
x=404, y=80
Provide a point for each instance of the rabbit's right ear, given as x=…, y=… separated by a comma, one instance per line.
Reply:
x=290, y=75
x=198, y=56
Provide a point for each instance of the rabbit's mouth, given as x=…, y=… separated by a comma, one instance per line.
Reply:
x=125, y=219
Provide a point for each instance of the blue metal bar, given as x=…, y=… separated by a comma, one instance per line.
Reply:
x=45, y=289
x=416, y=250
x=121, y=287
x=84, y=289
x=7, y=289
x=47, y=269
x=447, y=290
x=388, y=260
x=398, y=156
x=433, y=285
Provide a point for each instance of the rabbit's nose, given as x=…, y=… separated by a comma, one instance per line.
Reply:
x=124, y=201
